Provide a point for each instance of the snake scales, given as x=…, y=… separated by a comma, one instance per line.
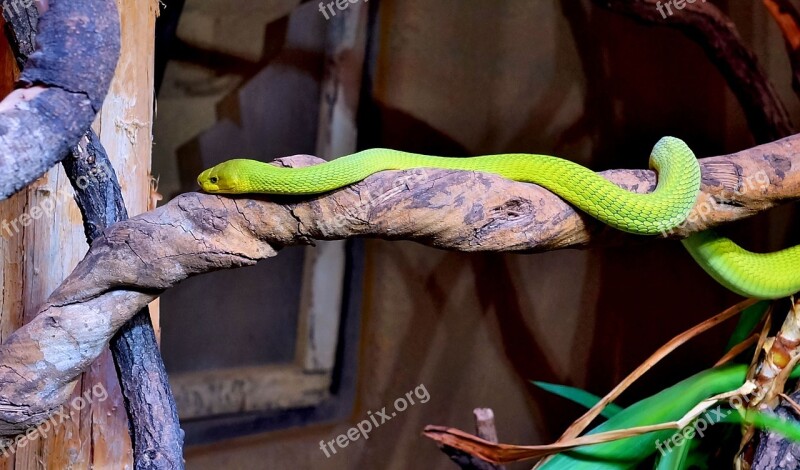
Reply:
x=761, y=275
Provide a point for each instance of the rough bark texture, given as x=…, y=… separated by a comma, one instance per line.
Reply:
x=157, y=435
x=155, y=429
x=21, y=21
x=135, y=260
x=717, y=35
x=38, y=126
x=774, y=451
x=94, y=180
x=152, y=414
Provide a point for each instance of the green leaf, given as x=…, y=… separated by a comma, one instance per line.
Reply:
x=581, y=397
x=668, y=405
x=683, y=457
x=675, y=459
x=767, y=421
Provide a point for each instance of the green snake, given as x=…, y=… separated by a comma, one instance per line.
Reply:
x=760, y=275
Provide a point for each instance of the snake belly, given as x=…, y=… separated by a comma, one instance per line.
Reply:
x=769, y=275
x=761, y=275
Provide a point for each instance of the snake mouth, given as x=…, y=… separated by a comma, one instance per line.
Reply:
x=204, y=181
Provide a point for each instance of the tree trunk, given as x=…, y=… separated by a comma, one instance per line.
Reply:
x=45, y=240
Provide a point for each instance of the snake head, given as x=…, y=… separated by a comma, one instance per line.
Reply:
x=207, y=182
x=222, y=178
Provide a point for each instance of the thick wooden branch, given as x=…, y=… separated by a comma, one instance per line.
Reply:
x=58, y=96
x=152, y=414
x=135, y=260
x=156, y=434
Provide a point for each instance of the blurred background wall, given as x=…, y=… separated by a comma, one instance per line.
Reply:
x=460, y=78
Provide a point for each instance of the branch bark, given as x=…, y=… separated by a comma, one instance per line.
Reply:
x=774, y=450
x=57, y=96
x=152, y=414
x=155, y=429
x=135, y=260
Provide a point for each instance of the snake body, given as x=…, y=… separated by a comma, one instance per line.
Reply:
x=771, y=275
x=760, y=275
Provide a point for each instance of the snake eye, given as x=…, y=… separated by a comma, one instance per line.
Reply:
x=213, y=180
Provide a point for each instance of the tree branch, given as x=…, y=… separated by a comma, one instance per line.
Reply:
x=58, y=96
x=135, y=260
x=156, y=434
x=152, y=415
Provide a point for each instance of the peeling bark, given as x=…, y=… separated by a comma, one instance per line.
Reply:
x=135, y=260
